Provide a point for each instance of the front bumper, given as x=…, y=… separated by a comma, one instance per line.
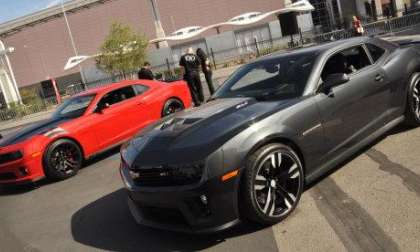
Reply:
x=23, y=170
x=181, y=208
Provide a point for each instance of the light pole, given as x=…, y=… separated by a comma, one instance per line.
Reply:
x=3, y=53
x=73, y=44
x=160, y=33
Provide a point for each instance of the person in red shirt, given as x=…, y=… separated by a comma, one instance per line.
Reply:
x=358, y=29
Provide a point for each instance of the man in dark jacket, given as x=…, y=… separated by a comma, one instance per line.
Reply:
x=145, y=73
x=191, y=65
x=206, y=68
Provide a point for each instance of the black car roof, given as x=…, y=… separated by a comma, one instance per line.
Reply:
x=320, y=48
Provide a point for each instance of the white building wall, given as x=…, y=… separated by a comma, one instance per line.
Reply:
x=305, y=22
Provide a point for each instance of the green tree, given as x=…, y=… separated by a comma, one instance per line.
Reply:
x=123, y=50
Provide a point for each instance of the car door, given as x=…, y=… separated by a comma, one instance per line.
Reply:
x=140, y=111
x=352, y=111
x=114, y=122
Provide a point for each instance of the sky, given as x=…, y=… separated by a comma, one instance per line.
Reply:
x=11, y=9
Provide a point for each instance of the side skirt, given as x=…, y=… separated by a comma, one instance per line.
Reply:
x=106, y=149
x=328, y=166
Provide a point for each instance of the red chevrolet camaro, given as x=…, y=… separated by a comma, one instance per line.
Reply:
x=85, y=125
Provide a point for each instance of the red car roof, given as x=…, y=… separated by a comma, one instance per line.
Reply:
x=111, y=86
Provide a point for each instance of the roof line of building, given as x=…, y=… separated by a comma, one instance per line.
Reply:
x=18, y=24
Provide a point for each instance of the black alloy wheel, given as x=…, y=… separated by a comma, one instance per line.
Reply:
x=413, y=101
x=171, y=106
x=272, y=184
x=63, y=159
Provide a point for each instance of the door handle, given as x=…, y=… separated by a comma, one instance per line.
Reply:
x=379, y=77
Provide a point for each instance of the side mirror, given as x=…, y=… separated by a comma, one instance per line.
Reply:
x=100, y=107
x=1, y=136
x=335, y=80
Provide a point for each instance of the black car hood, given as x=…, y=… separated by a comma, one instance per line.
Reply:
x=197, y=132
x=32, y=130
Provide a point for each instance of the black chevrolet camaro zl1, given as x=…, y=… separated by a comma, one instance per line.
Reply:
x=276, y=124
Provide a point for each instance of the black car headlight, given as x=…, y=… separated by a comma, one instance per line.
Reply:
x=191, y=171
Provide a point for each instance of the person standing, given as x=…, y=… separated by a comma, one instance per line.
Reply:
x=145, y=73
x=191, y=65
x=357, y=26
x=206, y=68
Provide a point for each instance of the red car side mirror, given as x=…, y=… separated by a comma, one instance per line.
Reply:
x=101, y=106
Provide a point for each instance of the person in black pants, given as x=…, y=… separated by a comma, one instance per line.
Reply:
x=191, y=65
x=206, y=68
x=145, y=73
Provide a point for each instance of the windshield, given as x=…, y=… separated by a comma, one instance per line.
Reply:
x=283, y=77
x=74, y=107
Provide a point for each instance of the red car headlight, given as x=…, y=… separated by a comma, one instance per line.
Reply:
x=10, y=157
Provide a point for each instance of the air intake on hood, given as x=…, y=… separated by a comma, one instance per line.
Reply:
x=179, y=122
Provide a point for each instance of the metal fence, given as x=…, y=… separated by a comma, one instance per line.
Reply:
x=381, y=27
x=18, y=111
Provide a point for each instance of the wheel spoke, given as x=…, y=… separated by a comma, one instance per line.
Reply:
x=275, y=160
x=293, y=171
x=267, y=201
x=272, y=206
x=416, y=91
x=417, y=105
x=70, y=164
x=260, y=183
x=289, y=199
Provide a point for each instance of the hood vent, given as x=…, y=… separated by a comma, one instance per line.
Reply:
x=179, y=123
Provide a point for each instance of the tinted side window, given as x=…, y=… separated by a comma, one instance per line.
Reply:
x=140, y=89
x=118, y=95
x=347, y=62
x=375, y=51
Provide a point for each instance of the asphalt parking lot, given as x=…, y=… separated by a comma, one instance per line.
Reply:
x=370, y=203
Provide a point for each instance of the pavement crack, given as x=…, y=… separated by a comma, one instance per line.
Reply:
x=411, y=180
x=357, y=230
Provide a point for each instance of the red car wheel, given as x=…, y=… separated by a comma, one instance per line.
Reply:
x=62, y=160
x=171, y=106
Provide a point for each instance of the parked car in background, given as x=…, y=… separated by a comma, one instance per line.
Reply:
x=85, y=125
x=274, y=126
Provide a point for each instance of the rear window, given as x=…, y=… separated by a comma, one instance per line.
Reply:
x=375, y=51
x=140, y=89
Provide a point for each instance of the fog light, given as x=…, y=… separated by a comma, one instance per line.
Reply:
x=134, y=175
x=23, y=171
x=203, y=199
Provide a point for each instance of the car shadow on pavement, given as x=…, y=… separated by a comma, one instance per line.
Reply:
x=394, y=131
x=107, y=224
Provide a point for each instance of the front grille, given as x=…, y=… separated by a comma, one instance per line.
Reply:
x=9, y=157
x=7, y=176
x=167, y=176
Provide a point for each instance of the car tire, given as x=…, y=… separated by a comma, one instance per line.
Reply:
x=62, y=160
x=171, y=106
x=412, y=113
x=271, y=185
